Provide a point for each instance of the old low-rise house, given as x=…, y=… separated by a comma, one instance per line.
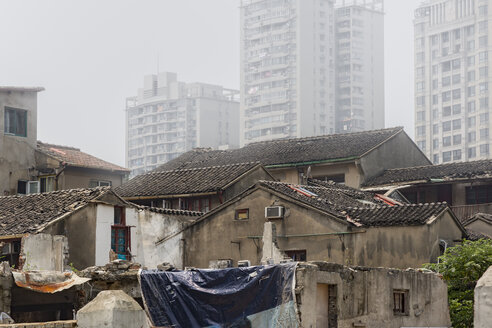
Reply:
x=478, y=226
x=351, y=158
x=466, y=187
x=195, y=189
x=330, y=223
x=82, y=228
x=62, y=167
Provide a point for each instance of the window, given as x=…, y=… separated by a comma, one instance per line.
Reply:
x=21, y=187
x=421, y=131
x=445, y=37
x=456, y=79
x=435, y=84
x=446, y=111
x=15, y=122
x=484, y=103
x=484, y=87
x=457, y=139
x=420, y=116
x=99, y=183
x=457, y=155
x=478, y=195
x=456, y=93
x=470, y=91
x=470, y=76
x=435, y=144
x=472, y=136
x=446, y=96
x=446, y=66
x=446, y=81
x=470, y=45
x=298, y=256
x=456, y=109
x=483, y=56
x=483, y=41
x=120, y=234
x=471, y=107
x=47, y=184
x=483, y=10
x=33, y=187
x=242, y=214
x=421, y=101
x=10, y=252
x=484, y=72
x=446, y=156
x=484, y=118
x=420, y=86
x=456, y=63
x=482, y=27
x=471, y=122
x=456, y=124
x=435, y=159
x=446, y=126
x=484, y=134
x=484, y=150
x=421, y=145
x=435, y=129
x=400, y=302
x=472, y=152
x=446, y=141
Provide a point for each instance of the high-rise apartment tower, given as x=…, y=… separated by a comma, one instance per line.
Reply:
x=169, y=117
x=291, y=51
x=452, y=60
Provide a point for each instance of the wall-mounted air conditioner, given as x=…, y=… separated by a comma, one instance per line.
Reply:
x=274, y=212
x=243, y=264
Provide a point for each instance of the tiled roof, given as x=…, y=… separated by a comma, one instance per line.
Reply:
x=398, y=215
x=27, y=213
x=75, y=157
x=336, y=147
x=331, y=199
x=478, y=216
x=187, y=181
x=170, y=211
x=356, y=207
x=475, y=235
x=444, y=172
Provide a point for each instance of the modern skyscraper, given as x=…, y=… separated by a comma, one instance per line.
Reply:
x=287, y=69
x=360, y=65
x=290, y=53
x=452, y=79
x=169, y=117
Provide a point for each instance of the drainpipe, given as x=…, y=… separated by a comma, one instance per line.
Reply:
x=63, y=166
x=183, y=249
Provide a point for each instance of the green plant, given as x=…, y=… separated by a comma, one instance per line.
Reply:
x=72, y=267
x=461, y=266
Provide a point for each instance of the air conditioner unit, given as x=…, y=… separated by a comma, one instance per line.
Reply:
x=243, y=264
x=274, y=212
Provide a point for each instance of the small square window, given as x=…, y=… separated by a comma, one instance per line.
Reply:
x=400, y=302
x=242, y=214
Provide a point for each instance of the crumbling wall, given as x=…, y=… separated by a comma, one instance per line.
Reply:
x=6, y=283
x=51, y=324
x=44, y=252
x=364, y=296
x=483, y=300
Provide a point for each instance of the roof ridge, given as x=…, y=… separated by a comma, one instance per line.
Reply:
x=39, y=142
x=204, y=168
x=326, y=136
x=439, y=165
x=61, y=191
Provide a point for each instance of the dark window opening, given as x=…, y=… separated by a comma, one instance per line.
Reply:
x=400, y=302
x=298, y=256
x=242, y=214
x=337, y=178
x=22, y=187
x=15, y=122
x=478, y=195
x=10, y=252
x=415, y=197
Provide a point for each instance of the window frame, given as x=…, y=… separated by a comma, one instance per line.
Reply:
x=401, y=302
x=239, y=211
x=15, y=112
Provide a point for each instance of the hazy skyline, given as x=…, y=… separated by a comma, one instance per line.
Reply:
x=91, y=55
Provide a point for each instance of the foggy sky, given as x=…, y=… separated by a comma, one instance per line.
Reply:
x=90, y=55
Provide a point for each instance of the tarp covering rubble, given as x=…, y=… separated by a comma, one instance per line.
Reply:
x=47, y=281
x=261, y=296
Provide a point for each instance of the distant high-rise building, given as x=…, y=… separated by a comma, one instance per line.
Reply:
x=452, y=110
x=289, y=62
x=169, y=117
x=360, y=65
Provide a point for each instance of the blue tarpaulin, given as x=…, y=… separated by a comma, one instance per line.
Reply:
x=261, y=296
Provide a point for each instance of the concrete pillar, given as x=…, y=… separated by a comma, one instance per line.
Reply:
x=112, y=308
x=483, y=300
x=271, y=254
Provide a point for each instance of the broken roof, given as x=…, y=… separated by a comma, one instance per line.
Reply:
x=288, y=152
x=187, y=181
x=29, y=213
x=75, y=157
x=439, y=173
x=398, y=215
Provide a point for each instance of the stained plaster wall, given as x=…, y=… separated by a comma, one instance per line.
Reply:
x=246, y=182
x=44, y=252
x=481, y=226
x=365, y=296
x=399, y=247
x=153, y=227
x=17, y=153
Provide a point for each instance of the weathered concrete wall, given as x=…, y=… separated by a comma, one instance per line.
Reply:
x=51, y=324
x=44, y=252
x=400, y=247
x=6, y=283
x=482, y=227
x=364, y=297
x=73, y=177
x=112, y=309
x=153, y=227
x=17, y=153
x=80, y=230
x=483, y=300
x=246, y=182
